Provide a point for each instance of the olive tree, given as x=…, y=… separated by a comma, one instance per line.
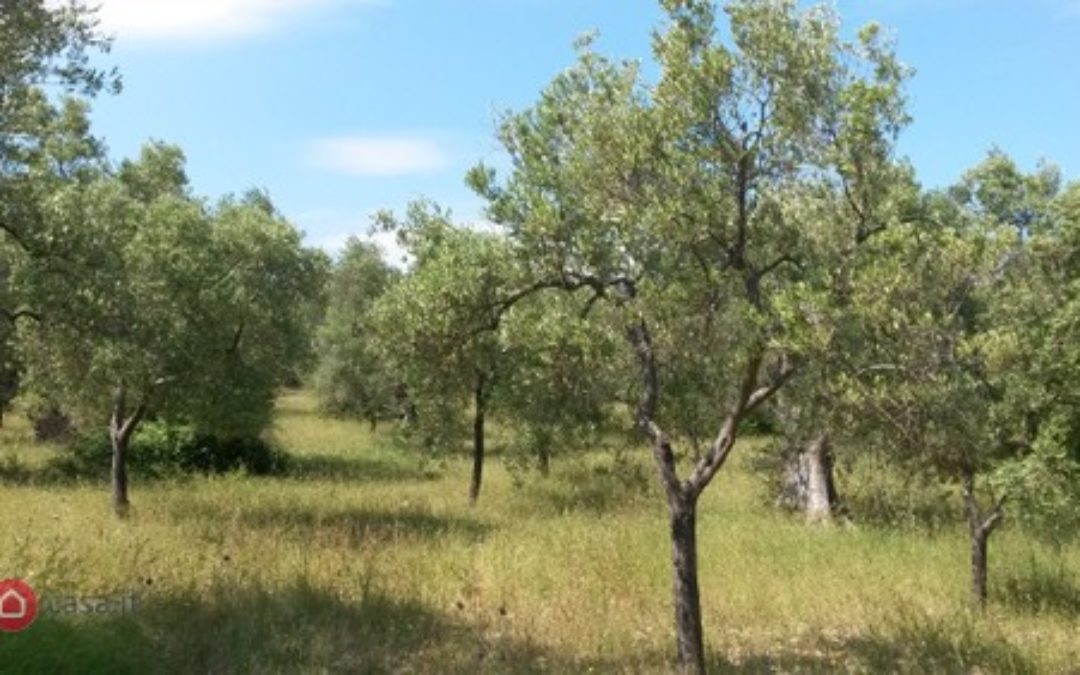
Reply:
x=693, y=204
x=162, y=306
x=434, y=327
x=351, y=377
x=962, y=331
x=45, y=141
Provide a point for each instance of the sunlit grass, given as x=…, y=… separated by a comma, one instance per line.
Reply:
x=363, y=558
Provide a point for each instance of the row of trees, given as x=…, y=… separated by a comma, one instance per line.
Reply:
x=672, y=254
x=736, y=234
x=126, y=296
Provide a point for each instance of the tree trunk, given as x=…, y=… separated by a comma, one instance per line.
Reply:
x=821, y=490
x=682, y=496
x=980, y=526
x=119, y=475
x=979, y=539
x=479, y=413
x=121, y=429
x=544, y=460
x=809, y=486
x=691, y=647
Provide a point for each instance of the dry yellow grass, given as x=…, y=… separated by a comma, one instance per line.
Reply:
x=363, y=559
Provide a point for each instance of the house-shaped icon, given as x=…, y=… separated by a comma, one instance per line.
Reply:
x=13, y=604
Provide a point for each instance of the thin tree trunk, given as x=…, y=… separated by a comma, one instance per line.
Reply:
x=979, y=540
x=691, y=646
x=980, y=527
x=479, y=414
x=119, y=475
x=683, y=495
x=544, y=458
x=121, y=429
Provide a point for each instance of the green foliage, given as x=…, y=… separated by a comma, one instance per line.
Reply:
x=963, y=331
x=161, y=449
x=352, y=377
x=435, y=328
x=882, y=493
x=710, y=207
x=44, y=144
x=198, y=312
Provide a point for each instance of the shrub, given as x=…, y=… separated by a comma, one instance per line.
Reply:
x=161, y=449
x=876, y=491
x=51, y=424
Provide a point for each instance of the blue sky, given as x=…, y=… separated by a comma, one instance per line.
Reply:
x=342, y=107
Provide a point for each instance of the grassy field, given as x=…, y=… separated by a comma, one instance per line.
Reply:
x=362, y=559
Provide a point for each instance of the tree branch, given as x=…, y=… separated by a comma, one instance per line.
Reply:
x=641, y=339
x=762, y=394
x=760, y=274
x=23, y=313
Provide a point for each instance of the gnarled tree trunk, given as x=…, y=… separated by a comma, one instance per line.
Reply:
x=809, y=485
x=688, y=625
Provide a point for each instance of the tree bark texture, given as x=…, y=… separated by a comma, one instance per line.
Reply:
x=809, y=484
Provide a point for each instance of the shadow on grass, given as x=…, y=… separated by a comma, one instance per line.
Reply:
x=907, y=644
x=958, y=646
x=598, y=490
x=257, y=630
x=62, y=470
x=1043, y=590
x=355, y=525
x=301, y=628
x=356, y=469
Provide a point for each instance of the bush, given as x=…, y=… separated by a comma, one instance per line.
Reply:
x=161, y=449
x=879, y=492
x=51, y=424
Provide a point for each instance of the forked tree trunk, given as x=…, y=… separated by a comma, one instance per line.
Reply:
x=980, y=527
x=479, y=414
x=688, y=631
x=809, y=486
x=682, y=495
x=121, y=429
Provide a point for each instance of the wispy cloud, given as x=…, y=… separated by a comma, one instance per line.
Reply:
x=331, y=230
x=377, y=155
x=201, y=20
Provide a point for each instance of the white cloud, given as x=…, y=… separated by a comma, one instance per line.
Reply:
x=195, y=20
x=330, y=230
x=377, y=155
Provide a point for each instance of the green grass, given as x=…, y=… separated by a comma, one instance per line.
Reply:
x=364, y=559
